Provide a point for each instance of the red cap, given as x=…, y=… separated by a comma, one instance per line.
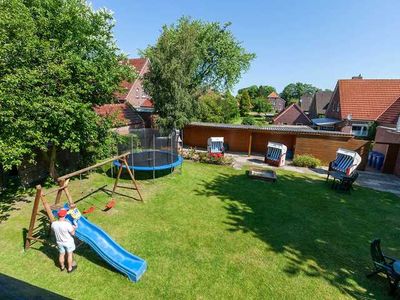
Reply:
x=62, y=213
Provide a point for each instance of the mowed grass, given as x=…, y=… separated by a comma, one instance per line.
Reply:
x=212, y=233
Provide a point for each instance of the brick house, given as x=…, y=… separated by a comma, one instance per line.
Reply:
x=387, y=138
x=292, y=115
x=357, y=103
x=135, y=108
x=277, y=102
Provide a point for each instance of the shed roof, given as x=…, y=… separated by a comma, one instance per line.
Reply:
x=296, y=129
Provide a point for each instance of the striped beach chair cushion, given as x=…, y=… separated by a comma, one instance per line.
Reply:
x=215, y=147
x=274, y=153
x=342, y=162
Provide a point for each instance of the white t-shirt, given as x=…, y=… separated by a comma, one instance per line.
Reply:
x=62, y=230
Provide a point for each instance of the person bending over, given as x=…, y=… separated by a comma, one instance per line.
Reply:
x=64, y=233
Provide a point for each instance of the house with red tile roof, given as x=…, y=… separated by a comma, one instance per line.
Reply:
x=133, y=92
x=387, y=138
x=135, y=107
x=358, y=103
x=292, y=115
x=277, y=102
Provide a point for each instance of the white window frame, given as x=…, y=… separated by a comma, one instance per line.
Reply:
x=364, y=129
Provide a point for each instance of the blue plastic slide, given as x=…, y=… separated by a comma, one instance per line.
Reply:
x=125, y=262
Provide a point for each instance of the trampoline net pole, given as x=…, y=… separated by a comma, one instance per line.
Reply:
x=170, y=157
x=132, y=150
x=154, y=155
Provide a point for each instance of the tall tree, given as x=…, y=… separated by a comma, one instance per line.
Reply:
x=265, y=90
x=244, y=101
x=58, y=58
x=251, y=90
x=218, y=108
x=296, y=90
x=261, y=105
x=230, y=108
x=189, y=58
x=258, y=91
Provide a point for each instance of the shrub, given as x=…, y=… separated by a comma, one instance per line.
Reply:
x=306, y=160
x=248, y=121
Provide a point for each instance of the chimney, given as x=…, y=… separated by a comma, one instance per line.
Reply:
x=357, y=77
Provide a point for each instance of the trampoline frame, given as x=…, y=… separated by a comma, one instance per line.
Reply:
x=176, y=163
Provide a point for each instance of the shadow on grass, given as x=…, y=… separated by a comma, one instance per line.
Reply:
x=320, y=232
x=12, y=288
x=83, y=250
x=10, y=197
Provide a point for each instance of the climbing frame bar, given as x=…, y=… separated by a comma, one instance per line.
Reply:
x=67, y=176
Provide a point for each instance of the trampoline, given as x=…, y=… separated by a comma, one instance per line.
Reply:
x=152, y=160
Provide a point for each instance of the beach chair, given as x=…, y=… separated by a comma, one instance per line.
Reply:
x=386, y=265
x=276, y=154
x=346, y=162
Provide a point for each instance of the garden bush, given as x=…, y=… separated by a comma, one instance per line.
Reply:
x=248, y=121
x=306, y=160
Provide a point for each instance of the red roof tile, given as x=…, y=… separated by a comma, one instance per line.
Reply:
x=391, y=115
x=147, y=103
x=121, y=111
x=367, y=99
x=273, y=95
x=138, y=64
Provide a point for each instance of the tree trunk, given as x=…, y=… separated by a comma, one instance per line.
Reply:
x=52, y=162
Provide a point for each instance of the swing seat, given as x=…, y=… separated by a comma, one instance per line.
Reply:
x=89, y=210
x=110, y=204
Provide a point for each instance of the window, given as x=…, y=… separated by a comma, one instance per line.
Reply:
x=359, y=129
x=137, y=93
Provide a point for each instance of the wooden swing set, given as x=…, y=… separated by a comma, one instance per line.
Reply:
x=63, y=183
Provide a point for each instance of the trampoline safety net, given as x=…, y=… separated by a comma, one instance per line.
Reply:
x=150, y=150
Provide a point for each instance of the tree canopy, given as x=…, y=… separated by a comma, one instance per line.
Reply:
x=262, y=105
x=189, y=58
x=294, y=91
x=218, y=108
x=258, y=91
x=58, y=58
x=245, y=105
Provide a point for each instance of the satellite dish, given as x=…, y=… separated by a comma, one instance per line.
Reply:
x=349, y=117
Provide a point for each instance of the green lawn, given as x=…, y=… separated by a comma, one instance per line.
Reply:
x=258, y=118
x=212, y=233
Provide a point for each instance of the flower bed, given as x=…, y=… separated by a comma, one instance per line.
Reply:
x=204, y=157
